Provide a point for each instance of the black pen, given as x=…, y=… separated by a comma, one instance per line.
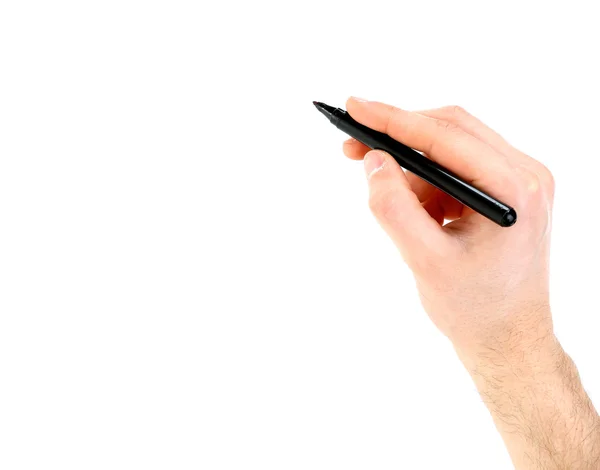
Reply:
x=423, y=167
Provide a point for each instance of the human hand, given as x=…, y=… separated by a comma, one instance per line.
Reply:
x=482, y=285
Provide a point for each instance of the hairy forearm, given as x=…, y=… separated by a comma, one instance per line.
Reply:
x=538, y=404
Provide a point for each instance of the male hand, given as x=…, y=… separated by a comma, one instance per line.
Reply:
x=485, y=287
x=481, y=284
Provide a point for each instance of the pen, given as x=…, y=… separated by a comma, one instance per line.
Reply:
x=423, y=167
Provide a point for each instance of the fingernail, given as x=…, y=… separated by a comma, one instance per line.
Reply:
x=374, y=162
x=360, y=100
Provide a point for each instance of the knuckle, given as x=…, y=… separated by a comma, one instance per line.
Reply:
x=536, y=186
x=453, y=113
x=543, y=172
x=530, y=190
x=456, y=111
x=547, y=178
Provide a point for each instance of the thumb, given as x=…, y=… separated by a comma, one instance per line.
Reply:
x=398, y=210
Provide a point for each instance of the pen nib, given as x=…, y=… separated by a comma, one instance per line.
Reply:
x=324, y=108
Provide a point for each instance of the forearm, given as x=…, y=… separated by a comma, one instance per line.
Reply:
x=538, y=404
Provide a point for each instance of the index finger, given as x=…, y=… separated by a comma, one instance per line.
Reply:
x=447, y=144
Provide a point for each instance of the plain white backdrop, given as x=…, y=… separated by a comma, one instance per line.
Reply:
x=190, y=277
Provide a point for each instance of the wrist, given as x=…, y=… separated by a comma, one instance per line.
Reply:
x=523, y=338
x=524, y=349
x=525, y=360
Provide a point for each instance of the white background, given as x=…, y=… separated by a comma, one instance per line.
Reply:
x=190, y=277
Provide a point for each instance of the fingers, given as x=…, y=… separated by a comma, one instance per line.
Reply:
x=354, y=149
x=473, y=126
x=459, y=117
x=443, y=142
x=467, y=147
x=399, y=211
x=420, y=187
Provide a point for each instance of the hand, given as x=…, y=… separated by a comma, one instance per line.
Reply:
x=482, y=285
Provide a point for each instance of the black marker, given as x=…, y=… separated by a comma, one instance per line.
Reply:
x=423, y=167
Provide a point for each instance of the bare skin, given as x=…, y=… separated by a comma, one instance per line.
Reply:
x=485, y=287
